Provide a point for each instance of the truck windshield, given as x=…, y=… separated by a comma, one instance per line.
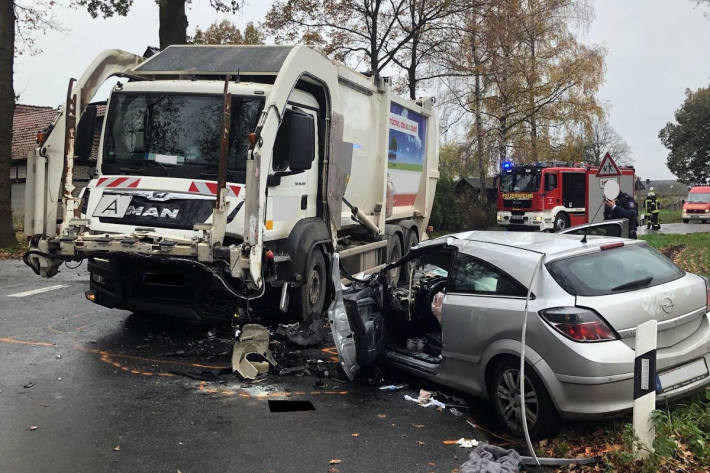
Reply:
x=699, y=198
x=515, y=182
x=176, y=135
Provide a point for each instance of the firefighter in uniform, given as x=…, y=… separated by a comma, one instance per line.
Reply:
x=652, y=209
x=623, y=207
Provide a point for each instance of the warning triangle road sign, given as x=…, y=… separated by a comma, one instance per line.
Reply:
x=608, y=167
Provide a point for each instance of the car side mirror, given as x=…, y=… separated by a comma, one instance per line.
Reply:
x=85, y=134
x=294, y=148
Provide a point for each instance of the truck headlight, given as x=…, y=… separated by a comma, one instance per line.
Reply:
x=538, y=218
x=499, y=217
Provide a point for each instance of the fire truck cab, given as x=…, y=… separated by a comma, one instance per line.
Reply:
x=553, y=195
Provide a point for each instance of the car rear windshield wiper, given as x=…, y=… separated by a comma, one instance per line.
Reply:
x=632, y=284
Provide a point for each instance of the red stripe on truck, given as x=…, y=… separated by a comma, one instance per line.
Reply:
x=404, y=199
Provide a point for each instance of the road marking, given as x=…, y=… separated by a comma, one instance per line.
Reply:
x=37, y=291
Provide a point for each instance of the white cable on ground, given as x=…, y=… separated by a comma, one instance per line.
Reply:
x=523, y=406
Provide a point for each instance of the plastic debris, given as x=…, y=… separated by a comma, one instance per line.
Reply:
x=455, y=412
x=425, y=399
x=59, y=356
x=253, y=342
x=335, y=461
x=356, y=435
x=33, y=427
x=28, y=385
x=392, y=387
x=467, y=443
x=117, y=448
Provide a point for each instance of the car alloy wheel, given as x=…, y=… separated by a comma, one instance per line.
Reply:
x=507, y=399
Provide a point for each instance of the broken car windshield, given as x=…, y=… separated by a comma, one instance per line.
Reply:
x=176, y=135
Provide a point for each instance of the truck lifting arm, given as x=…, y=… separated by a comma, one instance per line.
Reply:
x=49, y=168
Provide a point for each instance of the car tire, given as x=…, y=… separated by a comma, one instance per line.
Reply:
x=310, y=296
x=394, y=253
x=561, y=221
x=410, y=240
x=503, y=390
x=686, y=220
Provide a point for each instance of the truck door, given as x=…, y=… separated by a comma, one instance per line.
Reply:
x=293, y=183
x=574, y=190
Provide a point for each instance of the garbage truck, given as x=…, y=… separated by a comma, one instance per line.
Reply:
x=227, y=175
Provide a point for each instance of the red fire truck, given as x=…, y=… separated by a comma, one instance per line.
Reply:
x=554, y=195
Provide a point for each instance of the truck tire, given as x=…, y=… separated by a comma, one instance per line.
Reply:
x=394, y=253
x=561, y=221
x=309, y=298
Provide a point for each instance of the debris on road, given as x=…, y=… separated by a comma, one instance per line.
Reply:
x=335, y=461
x=487, y=458
x=28, y=385
x=253, y=342
x=425, y=399
x=33, y=427
x=117, y=448
x=393, y=387
x=467, y=443
x=356, y=435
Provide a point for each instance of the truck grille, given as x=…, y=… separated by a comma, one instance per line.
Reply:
x=696, y=211
x=518, y=203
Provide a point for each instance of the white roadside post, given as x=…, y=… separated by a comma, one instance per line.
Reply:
x=645, y=387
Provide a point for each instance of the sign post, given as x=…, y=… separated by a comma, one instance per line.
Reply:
x=645, y=387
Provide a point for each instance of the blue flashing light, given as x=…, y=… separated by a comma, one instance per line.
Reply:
x=507, y=165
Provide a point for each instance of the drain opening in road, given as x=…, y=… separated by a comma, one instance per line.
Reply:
x=290, y=406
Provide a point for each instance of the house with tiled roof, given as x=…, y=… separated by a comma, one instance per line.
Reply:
x=28, y=121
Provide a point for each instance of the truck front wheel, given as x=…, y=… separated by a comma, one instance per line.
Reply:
x=310, y=297
x=561, y=221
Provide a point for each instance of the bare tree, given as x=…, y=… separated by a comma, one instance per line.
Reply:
x=601, y=138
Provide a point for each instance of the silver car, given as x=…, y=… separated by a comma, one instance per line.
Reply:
x=457, y=321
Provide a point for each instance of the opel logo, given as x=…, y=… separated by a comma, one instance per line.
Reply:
x=667, y=305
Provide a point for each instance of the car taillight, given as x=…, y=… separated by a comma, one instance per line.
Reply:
x=579, y=324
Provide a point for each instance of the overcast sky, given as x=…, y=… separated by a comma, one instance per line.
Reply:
x=655, y=50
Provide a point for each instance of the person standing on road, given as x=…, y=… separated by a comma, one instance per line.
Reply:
x=652, y=209
x=623, y=207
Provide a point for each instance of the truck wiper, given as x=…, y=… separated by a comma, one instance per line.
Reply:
x=632, y=284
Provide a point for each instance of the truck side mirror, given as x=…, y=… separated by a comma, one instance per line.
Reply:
x=85, y=133
x=294, y=148
x=550, y=182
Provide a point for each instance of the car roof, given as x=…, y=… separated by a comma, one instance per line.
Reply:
x=518, y=252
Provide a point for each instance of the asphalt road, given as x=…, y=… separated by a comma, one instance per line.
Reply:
x=111, y=391
x=676, y=228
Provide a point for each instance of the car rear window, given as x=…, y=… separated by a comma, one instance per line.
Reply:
x=613, y=271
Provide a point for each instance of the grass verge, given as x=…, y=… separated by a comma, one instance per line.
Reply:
x=16, y=250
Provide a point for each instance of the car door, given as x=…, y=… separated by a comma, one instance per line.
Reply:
x=611, y=228
x=482, y=304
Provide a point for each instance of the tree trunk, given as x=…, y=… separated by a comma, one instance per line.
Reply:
x=478, y=103
x=412, y=71
x=7, y=110
x=173, y=23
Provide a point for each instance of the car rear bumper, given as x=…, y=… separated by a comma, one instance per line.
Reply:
x=600, y=395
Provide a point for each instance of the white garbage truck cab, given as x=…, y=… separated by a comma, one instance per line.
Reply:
x=228, y=174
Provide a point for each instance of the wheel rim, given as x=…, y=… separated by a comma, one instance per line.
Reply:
x=508, y=400
x=314, y=286
x=561, y=223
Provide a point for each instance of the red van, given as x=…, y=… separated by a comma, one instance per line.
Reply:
x=697, y=206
